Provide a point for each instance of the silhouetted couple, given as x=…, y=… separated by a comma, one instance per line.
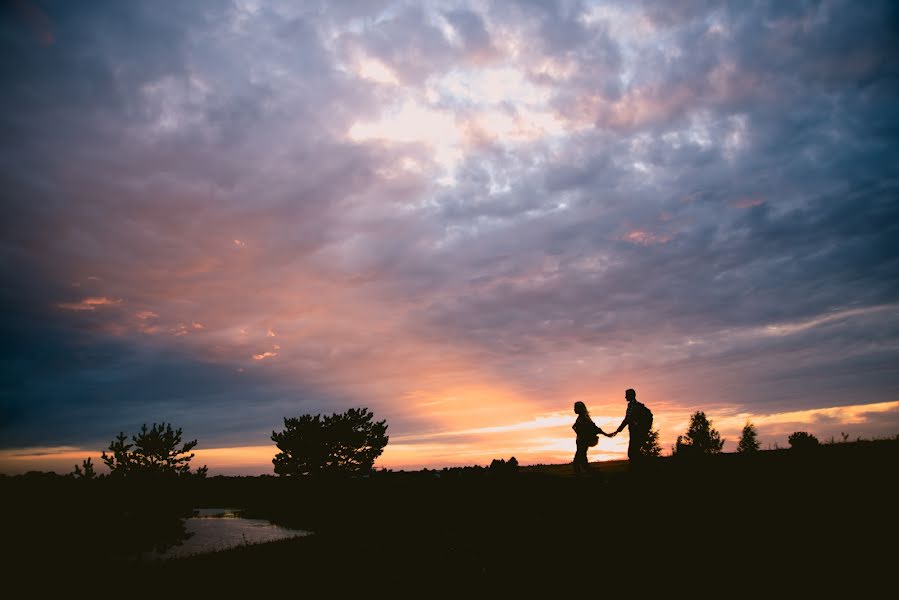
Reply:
x=637, y=418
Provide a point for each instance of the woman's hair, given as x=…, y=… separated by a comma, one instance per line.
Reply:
x=581, y=408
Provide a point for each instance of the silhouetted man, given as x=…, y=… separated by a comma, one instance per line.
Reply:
x=638, y=419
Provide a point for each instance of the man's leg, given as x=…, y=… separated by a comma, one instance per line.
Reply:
x=633, y=450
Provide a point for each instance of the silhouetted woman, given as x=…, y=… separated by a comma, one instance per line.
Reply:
x=587, y=432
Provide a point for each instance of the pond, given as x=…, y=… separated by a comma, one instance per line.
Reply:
x=221, y=528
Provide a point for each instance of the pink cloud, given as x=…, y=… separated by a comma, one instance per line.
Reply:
x=91, y=303
x=747, y=202
x=646, y=238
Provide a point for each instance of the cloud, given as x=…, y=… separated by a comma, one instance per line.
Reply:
x=461, y=216
x=645, y=238
x=91, y=303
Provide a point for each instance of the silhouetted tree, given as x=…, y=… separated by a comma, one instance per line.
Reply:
x=150, y=502
x=651, y=447
x=86, y=471
x=701, y=437
x=499, y=466
x=345, y=443
x=802, y=440
x=748, y=439
x=154, y=451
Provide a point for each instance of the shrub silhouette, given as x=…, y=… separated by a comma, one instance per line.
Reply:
x=700, y=439
x=85, y=471
x=802, y=440
x=651, y=447
x=154, y=452
x=346, y=443
x=749, y=439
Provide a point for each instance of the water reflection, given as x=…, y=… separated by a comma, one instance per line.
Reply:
x=220, y=528
x=217, y=513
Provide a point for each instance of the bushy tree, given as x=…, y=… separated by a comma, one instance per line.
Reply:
x=802, y=440
x=701, y=438
x=748, y=439
x=153, y=451
x=346, y=443
x=650, y=446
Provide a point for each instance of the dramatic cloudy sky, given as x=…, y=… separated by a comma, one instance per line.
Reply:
x=462, y=215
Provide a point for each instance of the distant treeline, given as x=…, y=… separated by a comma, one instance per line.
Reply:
x=347, y=444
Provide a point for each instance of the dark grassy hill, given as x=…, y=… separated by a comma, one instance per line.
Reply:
x=825, y=517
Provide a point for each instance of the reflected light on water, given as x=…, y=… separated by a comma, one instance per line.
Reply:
x=215, y=529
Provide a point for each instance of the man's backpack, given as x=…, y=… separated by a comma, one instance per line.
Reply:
x=642, y=417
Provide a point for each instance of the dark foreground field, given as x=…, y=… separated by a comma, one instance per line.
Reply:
x=820, y=520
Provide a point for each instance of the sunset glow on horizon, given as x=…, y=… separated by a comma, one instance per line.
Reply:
x=464, y=216
x=543, y=440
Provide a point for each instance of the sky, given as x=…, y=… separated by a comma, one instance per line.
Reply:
x=463, y=215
